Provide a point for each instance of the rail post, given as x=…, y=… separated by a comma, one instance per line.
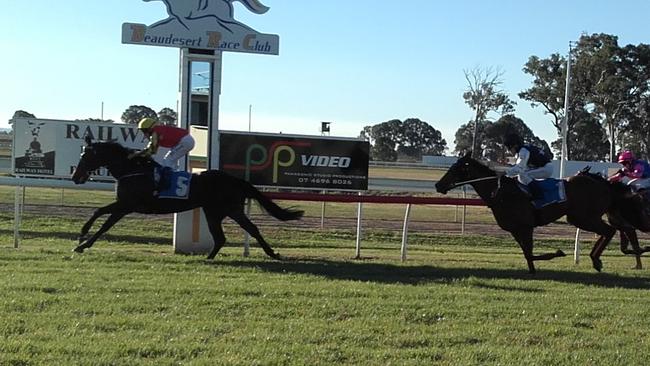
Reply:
x=405, y=229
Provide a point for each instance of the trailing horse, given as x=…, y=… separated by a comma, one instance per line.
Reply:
x=587, y=199
x=627, y=214
x=217, y=193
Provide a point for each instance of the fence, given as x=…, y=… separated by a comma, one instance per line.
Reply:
x=407, y=185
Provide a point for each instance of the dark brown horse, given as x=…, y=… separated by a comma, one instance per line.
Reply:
x=587, y=199
x=627, y=214
x=219, y=195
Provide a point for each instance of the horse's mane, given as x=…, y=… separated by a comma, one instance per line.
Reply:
x=114, y=148
x=483, y=165
x=618, y=188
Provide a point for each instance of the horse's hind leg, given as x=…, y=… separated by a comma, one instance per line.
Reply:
x=628, y=236
x=214, y=220
x=599, y=227
x=251, y=229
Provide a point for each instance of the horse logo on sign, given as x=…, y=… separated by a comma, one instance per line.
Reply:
x=203, y=24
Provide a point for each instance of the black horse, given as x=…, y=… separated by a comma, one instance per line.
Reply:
x=627, y=214
x=217, y=193
x=587, y=199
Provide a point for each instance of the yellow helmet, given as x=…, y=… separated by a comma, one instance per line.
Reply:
x=146, y=123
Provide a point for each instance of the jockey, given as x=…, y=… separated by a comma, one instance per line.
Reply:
x=532, y=163
x=636, y=170
x=178, y=140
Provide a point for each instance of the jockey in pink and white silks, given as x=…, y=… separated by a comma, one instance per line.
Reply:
x=532, y=163
x=637, y=171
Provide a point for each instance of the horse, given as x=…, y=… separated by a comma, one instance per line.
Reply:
x=217, y=193
x=626, y=214
x=587, y=199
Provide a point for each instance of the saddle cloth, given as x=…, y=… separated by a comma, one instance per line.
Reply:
x=552, y=192
x=178, y=186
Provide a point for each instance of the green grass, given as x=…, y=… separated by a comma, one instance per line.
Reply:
x=458, y=300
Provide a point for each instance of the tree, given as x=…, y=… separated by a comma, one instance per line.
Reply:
x=586, y=137
x=607, y=81
x=495, y=132
x=167, y=116
x=598, y=62
x=135, y=113
x=411, y=139
x=483, y=95
x=420, y=138
x=491, y=136
x=548, y=90
x=636, y=134
x=383, y=138
x=464, y=138
x=22, y=114
x=95, y=120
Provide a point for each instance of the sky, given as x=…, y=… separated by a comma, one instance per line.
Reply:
x=351, y=63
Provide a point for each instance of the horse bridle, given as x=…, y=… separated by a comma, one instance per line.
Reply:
x=458, y=184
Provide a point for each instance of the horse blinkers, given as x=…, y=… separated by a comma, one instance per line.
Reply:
x=81, y=172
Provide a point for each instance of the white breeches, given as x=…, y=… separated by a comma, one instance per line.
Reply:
x=180, y=150
x=538, y=173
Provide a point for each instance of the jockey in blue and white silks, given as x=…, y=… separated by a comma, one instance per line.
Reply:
x=532, y=163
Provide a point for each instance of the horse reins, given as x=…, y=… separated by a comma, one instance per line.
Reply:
x=474, y=180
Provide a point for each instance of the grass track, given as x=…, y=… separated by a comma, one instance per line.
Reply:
x=457, y=301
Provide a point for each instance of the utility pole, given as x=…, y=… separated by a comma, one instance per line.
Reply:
x=565, y=121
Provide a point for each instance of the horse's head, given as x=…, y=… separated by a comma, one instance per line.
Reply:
x=465, y=168
x=88, y=162
x=95, y=155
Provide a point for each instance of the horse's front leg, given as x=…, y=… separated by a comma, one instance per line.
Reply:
x=83, y=236
x=606, y=235
x=112, y=220
x=525, y=240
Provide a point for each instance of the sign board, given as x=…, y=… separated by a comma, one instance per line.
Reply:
x=51, y=148
x=203, y=24
x=295, y=161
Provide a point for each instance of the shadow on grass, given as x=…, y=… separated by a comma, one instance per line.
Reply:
x=416, y=275
x=72, y=236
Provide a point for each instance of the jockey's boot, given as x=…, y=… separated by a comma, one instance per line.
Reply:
x=165, y=178
x=535, y=190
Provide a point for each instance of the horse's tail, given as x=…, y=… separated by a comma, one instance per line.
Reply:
x=284, y=214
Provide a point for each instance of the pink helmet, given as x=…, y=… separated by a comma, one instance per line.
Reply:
x=625, y=156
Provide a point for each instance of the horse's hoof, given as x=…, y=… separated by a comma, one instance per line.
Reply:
x=560, y=253
x=78, y=250
x=598, y=264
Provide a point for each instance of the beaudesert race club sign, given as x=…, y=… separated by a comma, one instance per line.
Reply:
x=203, y=24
